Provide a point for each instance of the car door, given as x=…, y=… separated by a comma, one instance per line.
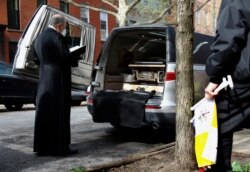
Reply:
x=5, y=69
x=79, y=33
x=17, y=90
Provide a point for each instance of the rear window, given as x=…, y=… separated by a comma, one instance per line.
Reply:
x=138, y=46
x=152, y=45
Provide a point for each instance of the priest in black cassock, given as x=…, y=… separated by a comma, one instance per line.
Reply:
x=52, y=121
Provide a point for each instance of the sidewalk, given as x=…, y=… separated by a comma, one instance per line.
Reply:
x=241, y=143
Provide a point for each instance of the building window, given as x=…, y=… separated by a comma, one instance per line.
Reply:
x=13, y=14
x=104, y=25
x=85, y=14
x=64, y=6
x=39, y=2
x=12, y=51
x=197, y=17
x=206, y=18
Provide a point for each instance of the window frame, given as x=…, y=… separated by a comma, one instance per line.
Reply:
x=197, y=17
x=13, y=14
x=64, y=6
x=206, y=18
x=106, y=25
x=39, y=2
x=84, y=11
x=12, y=51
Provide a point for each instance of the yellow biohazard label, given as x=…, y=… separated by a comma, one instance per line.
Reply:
x=206, y=132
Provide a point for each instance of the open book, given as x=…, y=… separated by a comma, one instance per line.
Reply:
x=76, y=51
x=75, y=54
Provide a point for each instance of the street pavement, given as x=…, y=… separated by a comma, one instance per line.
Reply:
x=16, y=152
x=241, y=143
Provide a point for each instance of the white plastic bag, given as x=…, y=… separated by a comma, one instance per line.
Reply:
x=206, y=127
x=206, y=132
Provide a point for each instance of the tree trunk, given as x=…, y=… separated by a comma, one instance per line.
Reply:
x=184, y=150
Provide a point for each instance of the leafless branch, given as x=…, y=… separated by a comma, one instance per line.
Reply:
x=160, y=15
x=201, y=6
x=90, y=7
x=110, y=4
x=132, y=5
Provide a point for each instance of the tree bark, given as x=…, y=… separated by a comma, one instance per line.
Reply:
x=184, y=150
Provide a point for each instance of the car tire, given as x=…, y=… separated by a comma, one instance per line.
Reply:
x=13, y=107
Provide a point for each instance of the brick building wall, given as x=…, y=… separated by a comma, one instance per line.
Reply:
x=10, y=37
x=3, y=12
x=3, y=25
x=205, y=18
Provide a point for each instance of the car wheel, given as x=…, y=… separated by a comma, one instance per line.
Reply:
x=13, y=107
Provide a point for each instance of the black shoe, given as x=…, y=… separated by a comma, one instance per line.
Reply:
x=71, y=152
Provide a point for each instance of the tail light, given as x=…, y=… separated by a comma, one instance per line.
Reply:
x=152, y=107
x=89, y=92
x=89, y=101
x=169, y=76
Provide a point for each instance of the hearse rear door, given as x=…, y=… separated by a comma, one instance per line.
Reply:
x=79, y=33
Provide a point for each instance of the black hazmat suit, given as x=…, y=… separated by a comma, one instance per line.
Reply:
x=231, y=56
x=52, y=121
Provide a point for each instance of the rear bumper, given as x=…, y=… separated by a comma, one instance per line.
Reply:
x=155, y=118
x=160, y=119
x=111, y=108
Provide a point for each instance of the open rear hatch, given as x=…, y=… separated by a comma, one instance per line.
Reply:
x=133, y=72
x=78, y=34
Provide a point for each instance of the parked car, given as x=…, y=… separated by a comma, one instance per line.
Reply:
x=16, y=91
x=133, y=83
x=79, y=34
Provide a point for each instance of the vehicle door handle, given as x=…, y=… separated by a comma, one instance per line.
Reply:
x=98, y=67
x=96, y=84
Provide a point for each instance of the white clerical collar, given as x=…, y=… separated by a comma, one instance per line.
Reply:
x=52, y=27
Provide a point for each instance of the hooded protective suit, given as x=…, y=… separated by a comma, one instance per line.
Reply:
x=231, y=56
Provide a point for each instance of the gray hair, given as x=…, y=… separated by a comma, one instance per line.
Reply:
x=57, y=19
